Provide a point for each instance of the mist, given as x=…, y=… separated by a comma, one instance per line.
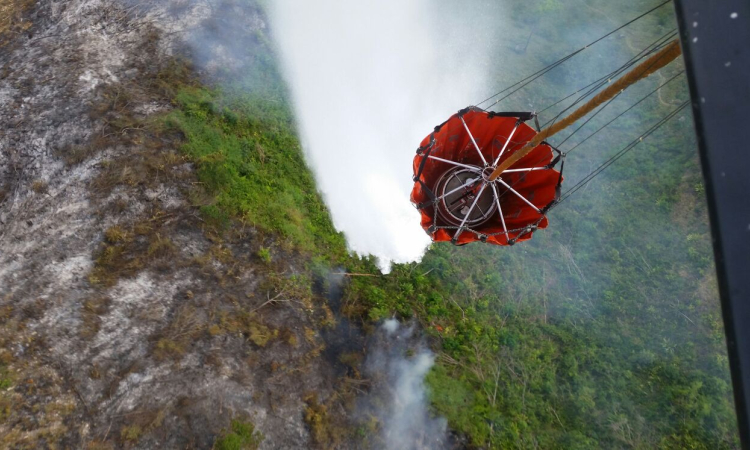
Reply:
x=369, y=80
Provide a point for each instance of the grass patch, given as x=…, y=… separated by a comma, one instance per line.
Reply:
x=91, y=316
x=118, y=257
x=40, y=187
x=249, y=159
x=115, y=235
x=242, y=435
x=245, y=323
x=264, y=253
x=125, y=251
x=6, y=378
x=260, y=334
x=325, y=433
x=131, y=433
x=182, y=330
x=77, y=154
x=146, y=167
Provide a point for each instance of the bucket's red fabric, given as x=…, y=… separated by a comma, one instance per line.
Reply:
x=451, y=142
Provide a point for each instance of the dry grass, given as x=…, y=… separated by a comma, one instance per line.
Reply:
x=290, y=337
x=131, y=433
x=122, y=125
x=12, y=20
x=311, y=355
x=325, y=432
x=128, y=250
x=99, y=445
x=142, y=422
x=115, y=235
x=77, y=154
x=353, y=360
x=186, y=326
x=260, y=334
x=39, y=187
x=144, y=167
x=115, y=261
x=91, y=316
x=244, y=323
x=4, y=192
x=39, y=395
x=159, y=247
x=152, y=153
x=295, y=288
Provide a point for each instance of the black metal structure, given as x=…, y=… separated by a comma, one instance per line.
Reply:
x=715, y=39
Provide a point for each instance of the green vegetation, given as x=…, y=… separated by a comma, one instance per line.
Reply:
x=592, y=335
x=601, y=332
x=264, y=253
x=6, y=378
x=556, y=370
x=241, y=436
x=131, y=433
x=250, y=160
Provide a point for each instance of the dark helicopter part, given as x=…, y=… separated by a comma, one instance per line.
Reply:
x=715, y=37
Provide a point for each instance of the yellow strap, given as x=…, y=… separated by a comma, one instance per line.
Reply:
x=642, y=70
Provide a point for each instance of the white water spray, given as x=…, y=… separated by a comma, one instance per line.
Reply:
x=369, y=80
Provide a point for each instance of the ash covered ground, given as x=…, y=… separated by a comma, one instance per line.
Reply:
x=125, y=322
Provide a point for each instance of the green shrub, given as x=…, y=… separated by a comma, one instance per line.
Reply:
x=249, y=158
x=241, y=436
x=264, y=254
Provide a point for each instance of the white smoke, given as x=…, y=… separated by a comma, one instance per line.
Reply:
x=398, y=363
x=390, y=326
x=369, y=80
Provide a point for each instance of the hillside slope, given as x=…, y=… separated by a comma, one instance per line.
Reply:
x=127, y=319
x=170, y=276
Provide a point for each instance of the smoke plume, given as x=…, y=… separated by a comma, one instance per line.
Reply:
x=398, y=363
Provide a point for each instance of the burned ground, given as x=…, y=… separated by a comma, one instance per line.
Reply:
x=127, y=320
